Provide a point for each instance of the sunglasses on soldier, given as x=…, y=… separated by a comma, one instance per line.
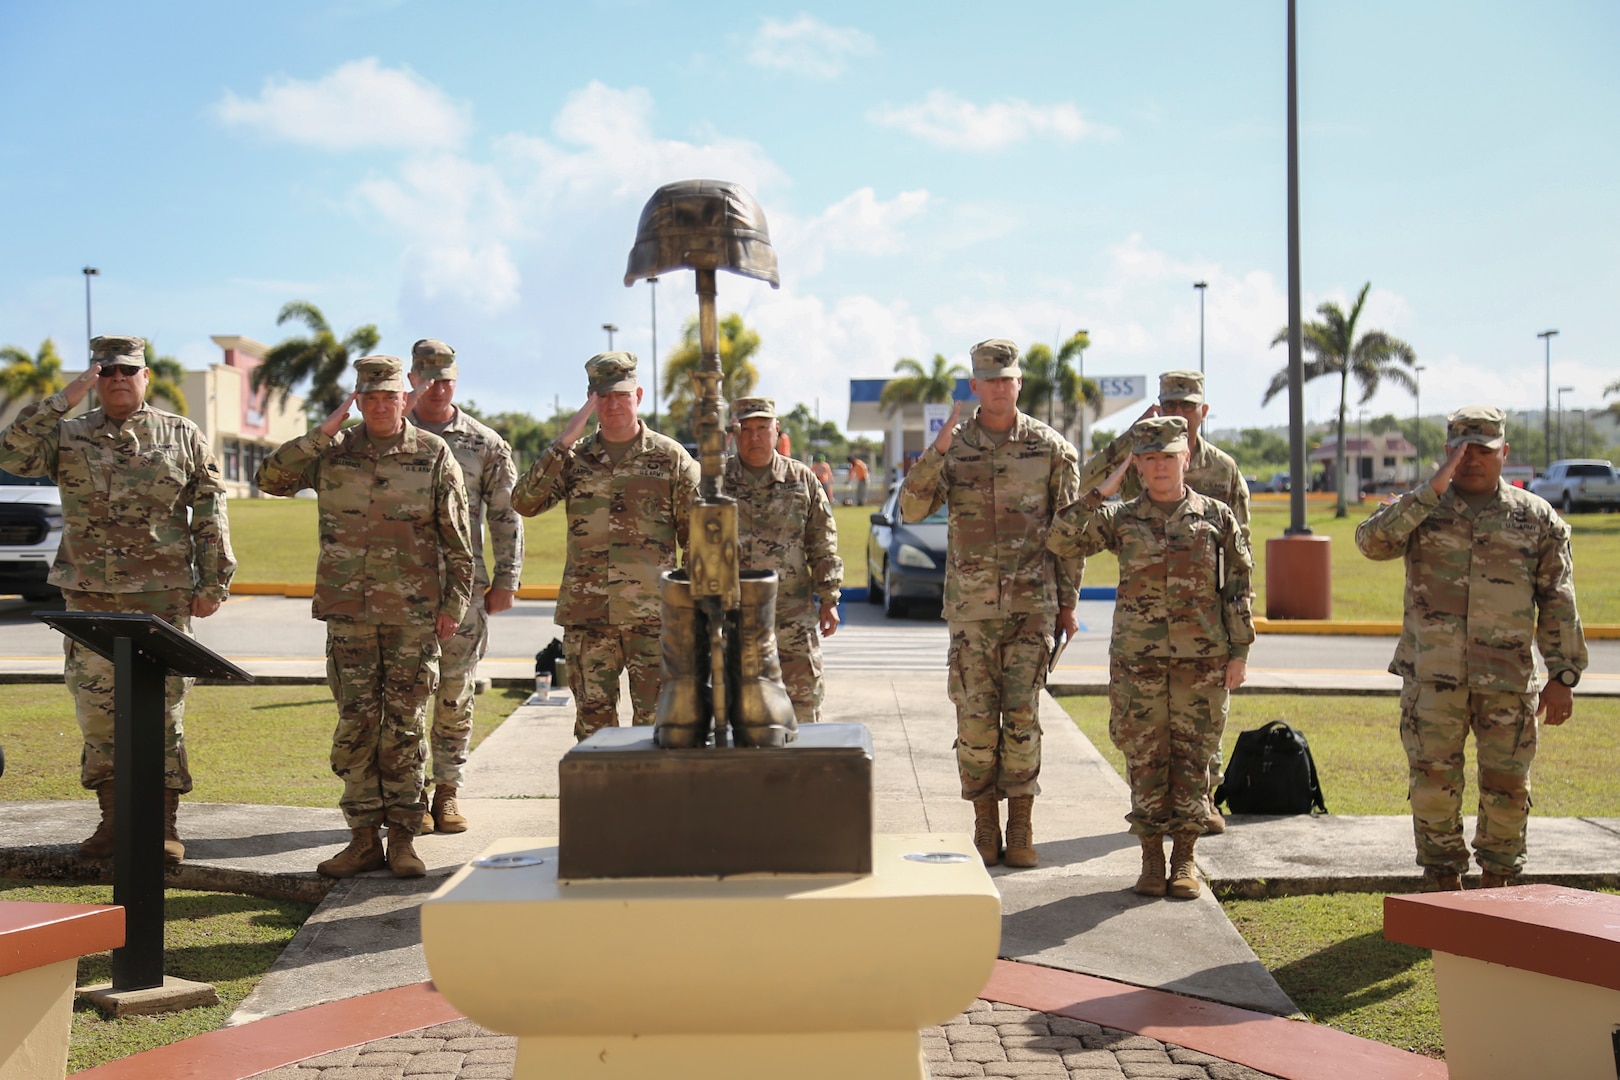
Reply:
x=128, y=371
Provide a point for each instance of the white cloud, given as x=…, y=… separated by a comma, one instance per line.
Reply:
x=946, y=120
x=360, y=105
x=807, y=46
x=859, y=223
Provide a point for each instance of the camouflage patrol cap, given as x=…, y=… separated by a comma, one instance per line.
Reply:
x=611, y=372
x=1483, y=424
x=746, y=408
x=996, y=358
x=433, y=359
x=118, y=349
x=379, y=373
x=1181, y=386
x=1159, y=435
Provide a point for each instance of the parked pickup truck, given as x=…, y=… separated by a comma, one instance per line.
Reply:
x=1579, y=485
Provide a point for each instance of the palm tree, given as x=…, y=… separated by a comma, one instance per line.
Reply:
x=1612, y=388
x=165, y=380
x=739, y=376
x=26, y=378
x=1332, y=348
x=1049, y=379
x=920, y=385
x=321, y=358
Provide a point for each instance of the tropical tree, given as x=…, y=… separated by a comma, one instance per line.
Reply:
x=320, y=358
x=739, y=376
x=164, y=382
x=1050, y=379
x=933, y=385
x=1612, y=388
x=1332, y=348
x=25, y=378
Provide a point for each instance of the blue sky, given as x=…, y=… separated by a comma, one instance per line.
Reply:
x=932, y=175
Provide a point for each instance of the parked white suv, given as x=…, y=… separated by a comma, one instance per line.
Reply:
x=30, y=533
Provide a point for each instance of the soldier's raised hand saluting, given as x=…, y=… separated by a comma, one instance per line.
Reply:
x=942, y=442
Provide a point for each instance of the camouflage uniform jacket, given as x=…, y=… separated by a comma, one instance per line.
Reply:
x=1479, y=586
x=1184, y=578
x=1210, y=471
x=395, y=546
x=624, y=522
x=489, y=476
x=785, y=523
x=126, y=488
x=1002, y=501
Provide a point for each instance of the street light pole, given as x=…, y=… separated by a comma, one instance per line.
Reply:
x=611, y=330
x=89, y=328
x=1562, y=390
x=1296, y=349
x=653, y=282
x=1201, y=286
x=1546, y=411
x=1417, y=423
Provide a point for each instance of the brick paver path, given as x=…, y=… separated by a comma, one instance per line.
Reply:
x=988, y=1040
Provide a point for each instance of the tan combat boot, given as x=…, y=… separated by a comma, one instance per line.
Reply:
x=1020, y=833
x=446, y=815
x=1490, y=879
x=426, y=825
x=1213, y=821
x=1183, y=873
x=987, y=828
x=365, y=852
x=173, y=849
x=1438, y=879
x=1152, y=882
x=402, y=858
x=100, y=843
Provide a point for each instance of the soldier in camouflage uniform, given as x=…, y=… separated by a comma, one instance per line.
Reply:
x=394, y=579
x=785, y=523
x=129, y=474
x=1182, y=628
x=1488, y=571
x=629, y=493
x=488, y=473
x=1210, y=471
x=1004, y=476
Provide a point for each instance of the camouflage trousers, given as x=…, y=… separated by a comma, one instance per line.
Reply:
x=998, y=670
x=799, y=643
x=451, y=730
x=382, y=678
x=596, y=655
x=89, y=678
x=1435, y=722
x=1166, y=717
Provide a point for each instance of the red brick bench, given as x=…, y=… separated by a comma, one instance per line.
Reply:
x=1528, y=978
x=40, y=946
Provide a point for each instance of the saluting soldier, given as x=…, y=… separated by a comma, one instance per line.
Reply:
x=489, y=476
x=1004, y=476
x=1488, y=572
x=394, y=580
x=1210, y=471
x=629, y=493
x=1183, y=623
x=144, y=530
x=785, y=523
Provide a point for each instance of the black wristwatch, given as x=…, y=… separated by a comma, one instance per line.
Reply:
x=1569, y=677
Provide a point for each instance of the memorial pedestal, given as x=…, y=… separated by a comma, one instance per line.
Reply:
x=786, y=976
x=1299, y=577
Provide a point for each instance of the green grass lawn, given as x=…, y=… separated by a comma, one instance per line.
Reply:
x=274, y=540
x=227, y=940
x=1357, y=747
x=248, y=744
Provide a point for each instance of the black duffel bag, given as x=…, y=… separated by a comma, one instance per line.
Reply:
x=1271, y=771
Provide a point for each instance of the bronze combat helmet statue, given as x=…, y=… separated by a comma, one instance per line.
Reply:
x=718, y=641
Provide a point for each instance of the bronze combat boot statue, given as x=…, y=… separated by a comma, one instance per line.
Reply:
x=705, y=226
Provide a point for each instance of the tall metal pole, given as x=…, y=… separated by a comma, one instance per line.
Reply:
x=611, y=330
x=1201, y=286
x=1296, y=351
x=653, y=281
x=1562, y=390
x=1546, y=411
x=1417, y=423
x=89, y=326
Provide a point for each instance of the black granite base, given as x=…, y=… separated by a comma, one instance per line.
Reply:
x=629, y=809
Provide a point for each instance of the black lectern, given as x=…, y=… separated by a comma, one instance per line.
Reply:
x=144, y=650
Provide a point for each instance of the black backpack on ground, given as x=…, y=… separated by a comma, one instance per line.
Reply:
x=1271, y=771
